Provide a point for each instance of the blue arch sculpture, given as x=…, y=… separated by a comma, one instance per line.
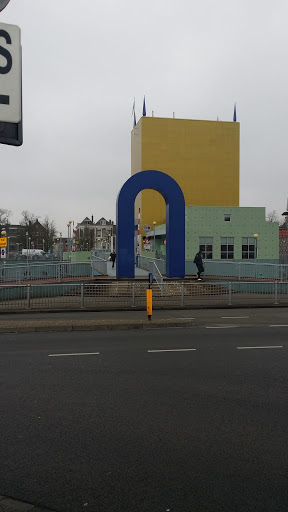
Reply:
x=175, y=222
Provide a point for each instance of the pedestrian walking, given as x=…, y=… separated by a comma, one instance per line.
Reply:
x=199, y=264
x=113, y=258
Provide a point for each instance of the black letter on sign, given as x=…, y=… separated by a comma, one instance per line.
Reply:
x=4, y=70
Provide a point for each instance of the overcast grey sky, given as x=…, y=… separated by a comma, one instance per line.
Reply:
x=85, y=60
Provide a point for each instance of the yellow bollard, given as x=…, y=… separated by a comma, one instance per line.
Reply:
x=149, y=302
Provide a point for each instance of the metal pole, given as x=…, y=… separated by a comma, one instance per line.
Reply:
x=28, y=296
x=27, y=244
x=182, y=294
x=82, y=295
x=229, y=293
x=276, y=293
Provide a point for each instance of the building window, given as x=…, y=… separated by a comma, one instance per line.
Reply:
x=227, y=248
x=227, y=217
x=248, y=248
x=206, y=247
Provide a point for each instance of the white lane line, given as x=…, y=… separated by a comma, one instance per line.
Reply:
x=264, y=346
x=76, y=354
x=221, y=326
x=279, y=325
x=174, y=350
x=234, y=316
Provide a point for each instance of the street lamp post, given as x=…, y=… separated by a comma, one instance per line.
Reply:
x=69, y=238
x=27, y=249
x=154, y=224
x=60, y=246
x=8, y=248
x=256, y=245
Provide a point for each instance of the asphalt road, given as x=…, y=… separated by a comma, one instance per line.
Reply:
x=137, y=424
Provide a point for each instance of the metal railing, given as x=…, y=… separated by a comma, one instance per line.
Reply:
x=246, y=270
x=129, y=295
x=144, y=262
x=228, y=269
x=100, y=265
x=45, y=271
x=157, y=275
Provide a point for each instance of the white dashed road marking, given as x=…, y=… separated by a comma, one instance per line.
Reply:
x=265, y=346
x=234, y=316
x=77, y=354
x=174, y=350
x=221, y=326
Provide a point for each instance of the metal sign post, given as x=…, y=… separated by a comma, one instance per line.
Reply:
x=149, y=296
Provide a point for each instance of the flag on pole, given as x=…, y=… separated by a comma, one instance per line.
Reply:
x=234, y=115
x=133, y=108
x=144, y=108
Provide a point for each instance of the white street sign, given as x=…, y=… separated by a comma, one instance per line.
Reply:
x=3, y=4
x=3, y=253
x=10, y=73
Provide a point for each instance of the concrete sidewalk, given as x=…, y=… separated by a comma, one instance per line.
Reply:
x=137, y=319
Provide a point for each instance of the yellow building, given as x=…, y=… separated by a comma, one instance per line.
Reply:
x=202, y=156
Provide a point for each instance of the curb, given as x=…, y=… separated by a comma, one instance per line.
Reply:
x=11, y=505
x=23, y=326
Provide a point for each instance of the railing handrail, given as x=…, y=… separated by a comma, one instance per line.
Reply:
x=158, y=275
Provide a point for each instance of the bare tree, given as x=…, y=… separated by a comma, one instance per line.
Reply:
x=4, y=216
x=272, y=217
x=50, y=232
x=86, y=239
x=27, y=220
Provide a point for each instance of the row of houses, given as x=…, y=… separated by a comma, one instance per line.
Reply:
x=87, y=236
x=19, y=237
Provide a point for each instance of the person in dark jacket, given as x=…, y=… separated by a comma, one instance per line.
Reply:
x=199, y=264
x=113, y=258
